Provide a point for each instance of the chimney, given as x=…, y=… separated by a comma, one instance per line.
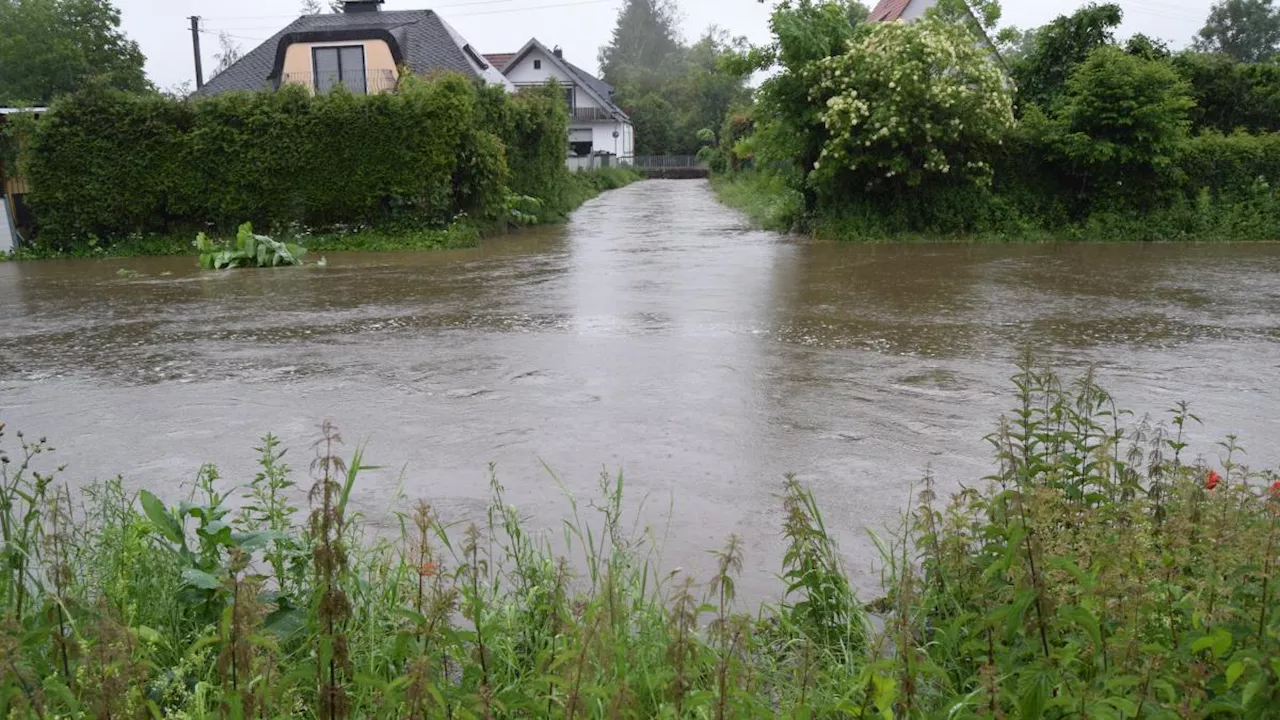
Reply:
x=558, y=52
x=351, y=7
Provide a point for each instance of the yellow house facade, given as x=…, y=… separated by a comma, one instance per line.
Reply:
x=362, y=49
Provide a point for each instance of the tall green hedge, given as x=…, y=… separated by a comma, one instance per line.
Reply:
x=105, y=164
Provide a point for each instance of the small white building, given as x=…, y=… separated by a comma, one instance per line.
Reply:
x=599, y=130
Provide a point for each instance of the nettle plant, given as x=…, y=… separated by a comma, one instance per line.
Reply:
x=907, y=104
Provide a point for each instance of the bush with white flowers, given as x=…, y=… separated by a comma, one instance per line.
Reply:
x=909, y=104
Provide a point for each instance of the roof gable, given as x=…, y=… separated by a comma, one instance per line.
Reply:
x=599, y=90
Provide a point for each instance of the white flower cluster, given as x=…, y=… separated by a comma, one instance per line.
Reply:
x=909, y=101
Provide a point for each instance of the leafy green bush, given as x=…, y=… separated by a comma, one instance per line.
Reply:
x=247, y=250
x=1100, y=572
x=908, y=105
x=1117, y=131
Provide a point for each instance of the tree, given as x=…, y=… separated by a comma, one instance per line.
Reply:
x=228, y=52
x=1145, y=46
x=1120, y=124
x=1231, y=95
x=1247, y=30
x=704, y=89
x=645, y=39
x=654, y=120
x=908, y=105
x=310, y=7
x=1057, y=49
x=672, y=91
x=789, y=129
x=51, y=47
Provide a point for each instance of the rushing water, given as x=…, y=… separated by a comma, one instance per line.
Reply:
x=657, y=333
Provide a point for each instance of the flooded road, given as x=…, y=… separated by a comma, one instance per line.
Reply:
x=656, y=333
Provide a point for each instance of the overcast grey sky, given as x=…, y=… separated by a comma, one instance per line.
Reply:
x=579, y=26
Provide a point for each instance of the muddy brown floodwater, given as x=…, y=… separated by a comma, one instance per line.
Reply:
x=657, y=333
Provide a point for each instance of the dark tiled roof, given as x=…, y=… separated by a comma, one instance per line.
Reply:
x=601, y=88
x=499, y=60
x=888, y=10
x=425, y=41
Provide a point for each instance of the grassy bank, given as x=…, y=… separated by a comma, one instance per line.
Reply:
x=577, y=189
x=1100, y=571
x=773, y=205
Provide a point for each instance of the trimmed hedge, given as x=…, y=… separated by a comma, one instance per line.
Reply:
x=105, y=165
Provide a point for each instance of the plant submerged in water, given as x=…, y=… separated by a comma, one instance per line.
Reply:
x=1098, y=573
x=248, y=250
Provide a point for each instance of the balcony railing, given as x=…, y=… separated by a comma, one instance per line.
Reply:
x=589, y=114
x=369, y=82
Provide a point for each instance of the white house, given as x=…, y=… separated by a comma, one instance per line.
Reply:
x=597, y=127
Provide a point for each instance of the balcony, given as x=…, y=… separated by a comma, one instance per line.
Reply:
x=589, y=114
x=370, y=82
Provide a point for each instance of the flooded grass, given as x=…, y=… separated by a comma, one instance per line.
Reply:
x=772, y=204
x=1097, y=572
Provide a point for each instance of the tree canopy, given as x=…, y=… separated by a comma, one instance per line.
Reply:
x=1054, y=51
x=672, y=91
x=1247, y=30
x=51, y=47
x=644, y=40
x=1121, y=119
x=906, y=105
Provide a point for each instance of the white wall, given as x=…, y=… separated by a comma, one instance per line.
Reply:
x=7, y=239
x=602, y=139
x=917, y=9
x=523, y=73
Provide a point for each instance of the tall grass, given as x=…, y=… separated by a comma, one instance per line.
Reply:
x=1100, y=571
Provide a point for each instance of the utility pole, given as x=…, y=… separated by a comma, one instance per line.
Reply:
x=195, y=47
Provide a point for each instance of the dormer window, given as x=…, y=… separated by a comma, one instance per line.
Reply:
x=339, y=66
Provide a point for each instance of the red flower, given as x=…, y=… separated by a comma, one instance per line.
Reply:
x=429, y=569
x=1212, y=480
x=1275, y=490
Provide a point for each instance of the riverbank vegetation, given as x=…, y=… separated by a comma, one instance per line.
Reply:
x=405, y=235
x=439, y=163
x=1064, y=132
x=1102, y=570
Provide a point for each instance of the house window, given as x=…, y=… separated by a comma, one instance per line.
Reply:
x=569, y=98
x=580, y=142
x=339, y=66
x=537, y=64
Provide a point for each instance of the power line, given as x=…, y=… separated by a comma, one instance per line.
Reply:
x=474, y=2
x=468, y=3
x=534, y=8
x=219, y=33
